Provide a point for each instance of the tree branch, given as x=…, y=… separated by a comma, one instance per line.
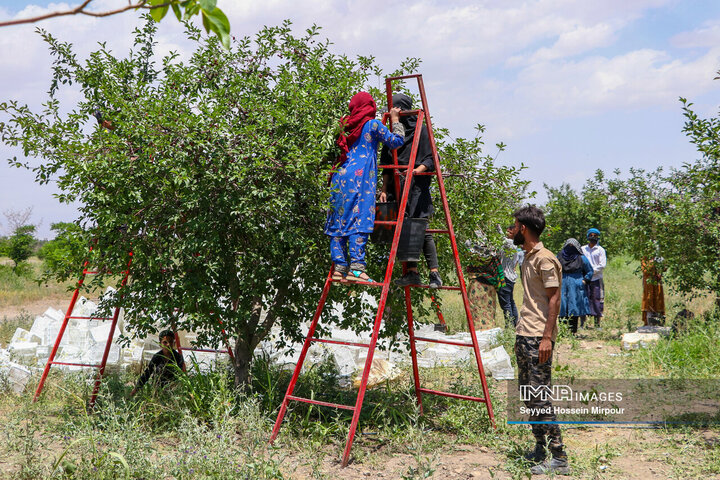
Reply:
x=80, y=9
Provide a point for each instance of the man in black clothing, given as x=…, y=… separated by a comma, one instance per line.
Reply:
x=165, y=364
x=419, y=203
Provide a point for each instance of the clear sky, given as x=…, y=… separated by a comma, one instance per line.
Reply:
x=569, y=85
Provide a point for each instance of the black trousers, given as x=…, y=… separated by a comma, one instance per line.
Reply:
x=531, y=372
x=430, y=253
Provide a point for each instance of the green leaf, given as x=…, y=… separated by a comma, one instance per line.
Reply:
x=119, y=458
x=158, y=13
x=218, y=23
x=206, y=22
x=177, y=12
x=207, y=5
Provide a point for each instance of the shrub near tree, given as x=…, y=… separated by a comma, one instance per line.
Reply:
x=60, y=254
x=213, y=172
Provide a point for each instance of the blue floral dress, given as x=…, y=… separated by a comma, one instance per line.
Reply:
x=353, y=186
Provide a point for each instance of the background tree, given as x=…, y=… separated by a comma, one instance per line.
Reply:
x=653, y=214
x=570, y=214
x=17, y=218
x=214, y=173
x=563, y=215
x=695, y=223
x=20, y=245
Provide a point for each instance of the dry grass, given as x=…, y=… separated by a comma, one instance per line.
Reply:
x=19, y=290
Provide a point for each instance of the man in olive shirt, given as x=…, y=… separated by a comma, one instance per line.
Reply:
x=536, y=332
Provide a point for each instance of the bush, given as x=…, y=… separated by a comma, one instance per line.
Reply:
x=4, y=246
x=21, y=245
x=692, y=352
x=57, y=254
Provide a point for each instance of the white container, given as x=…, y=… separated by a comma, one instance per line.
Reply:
x=17, y=376
x=497, y=363
x=635, y=340
x=23, y=336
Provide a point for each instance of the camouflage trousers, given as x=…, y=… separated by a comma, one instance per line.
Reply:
x=531, y=372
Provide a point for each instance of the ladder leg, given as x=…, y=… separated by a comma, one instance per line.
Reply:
x=476, y=348
x=301, y=360
x=101, y=371
x=438, y=311
x=51, y=358
x=453, y=244
x=366, y=374
x=109, y=342
x=413, y=349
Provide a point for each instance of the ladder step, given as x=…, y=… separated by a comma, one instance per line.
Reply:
x=439, y=288
x=436, y=230
x=90, y=272
x=208, y=350
x=452, y=395
x=385, y=222
x=317, y=402
x=76, y=364
x=368, y=284
x=446, y=342
x=394, y=166
x=90, y=318
x=339, y=342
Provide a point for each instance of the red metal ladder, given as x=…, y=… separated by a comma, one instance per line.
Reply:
x=68, y=316
x=422, y=115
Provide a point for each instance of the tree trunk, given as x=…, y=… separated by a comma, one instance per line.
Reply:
x=243, y=358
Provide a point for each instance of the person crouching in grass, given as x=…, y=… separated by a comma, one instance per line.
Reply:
x=164, y=365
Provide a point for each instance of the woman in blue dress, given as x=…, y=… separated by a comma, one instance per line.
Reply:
x=351, y=218
x=576, y=271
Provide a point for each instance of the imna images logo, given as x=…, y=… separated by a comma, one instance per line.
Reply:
x=559, y=393
x=554, y=393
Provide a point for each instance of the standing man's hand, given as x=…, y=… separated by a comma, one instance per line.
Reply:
x=383, y=197
x=545, y=350
x=132, y=392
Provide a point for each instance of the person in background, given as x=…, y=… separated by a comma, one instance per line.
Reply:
x=596, y=288
x=509, y=258
x=535, y=336
x=576, y=273
x=484, y=277
x=653, y=297
x=164, y=365
x=419, y=203
x=351, y=217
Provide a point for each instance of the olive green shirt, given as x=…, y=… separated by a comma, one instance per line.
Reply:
x=540, y=270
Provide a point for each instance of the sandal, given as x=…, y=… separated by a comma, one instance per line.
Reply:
x=358, y=276
x=337, y=276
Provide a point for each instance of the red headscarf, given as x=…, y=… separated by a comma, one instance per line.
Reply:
x=362, y=108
